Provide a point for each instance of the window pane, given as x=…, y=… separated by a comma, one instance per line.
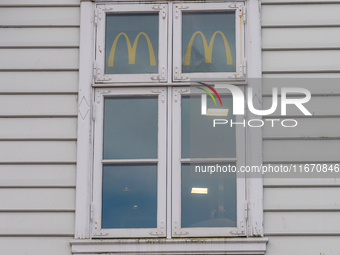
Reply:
x=199, y=138
x=208, y=42
x=131, y=43
x=208, y=202
x=130, y=127
x=129, y=196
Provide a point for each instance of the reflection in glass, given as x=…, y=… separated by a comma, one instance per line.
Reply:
x=129, y=198
x=208, y=202
x=199, y=138
x=208, y=42
x=130, y=127
x=131, y=43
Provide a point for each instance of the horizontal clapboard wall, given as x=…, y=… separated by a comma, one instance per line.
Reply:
x=300, y=39
x=38, y=125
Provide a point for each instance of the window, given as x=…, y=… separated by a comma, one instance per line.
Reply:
x=208, y=41
x=143, y=135
x=130, y=162
x=132, y=43
x=205, y=204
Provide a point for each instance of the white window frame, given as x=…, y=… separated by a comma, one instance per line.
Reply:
x=177, y=161
x=97, y=231
x=83, y=243
x=100, y=18
x=239, y=9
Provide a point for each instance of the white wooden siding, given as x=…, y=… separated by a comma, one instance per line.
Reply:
x=38, y=123
x=301, y=151
x=39, y=16
x=39, y=82
x=50, y=199
x=323, y=128
x=308, y=60
x=301, y=182
x=326, y=198
x=37, y=151
x=290, y=223
x=300, y=15
x=39, y=59
x=317, y=86
x=39, y=37
x=41, y=175
x=38, y=128
x=37, y=223
x=319, y=74
x=303, y=245
x=317, y=106
x=35, y=245
x=35, y=105
x=300, y=39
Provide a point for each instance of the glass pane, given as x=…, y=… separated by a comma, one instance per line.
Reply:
x=129, y=196
x=208, y=42
x=130, y=127
x=208, y=202
x=131, y=43
x=199, y=138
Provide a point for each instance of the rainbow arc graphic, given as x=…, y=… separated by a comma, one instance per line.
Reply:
x=211, y=111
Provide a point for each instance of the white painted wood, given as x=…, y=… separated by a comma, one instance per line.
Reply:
x=317, y=60
x=39, y=16
x=316, y=74
x=13, y=105
x=309, y=151
x=304, y=182
x=45, y=59
x=99, y=163
x=307, y=127
x=39, y=2
x=301, y=198
x=35, y=245
x=39, y=82
x=177, y=58
x=245, y=246
x=318, y=106
x=178, y=93
x=37, y=37
x=37, y=175
x=85, y=136
x=254, y=136
x=42, y=128
x=303, y=245
x=299, y=1
x=293, y=38
x=61, y=223
x=161, y=76
x=301, y=222
x=314, y=85
x=15, y=151
x=38, y=199
x=306, y=14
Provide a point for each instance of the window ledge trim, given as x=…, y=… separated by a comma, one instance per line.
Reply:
x=171, y=246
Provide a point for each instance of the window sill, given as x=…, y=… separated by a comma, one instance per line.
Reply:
x=171, y=246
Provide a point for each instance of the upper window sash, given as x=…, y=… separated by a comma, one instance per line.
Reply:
x=125, y=54
x=189, y=30
x=101, y=160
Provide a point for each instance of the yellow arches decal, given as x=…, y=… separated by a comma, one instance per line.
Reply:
x=208, y=49
x=132, y=50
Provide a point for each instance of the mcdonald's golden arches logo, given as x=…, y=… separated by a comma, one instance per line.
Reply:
x=208, y=48
x=132, y=50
